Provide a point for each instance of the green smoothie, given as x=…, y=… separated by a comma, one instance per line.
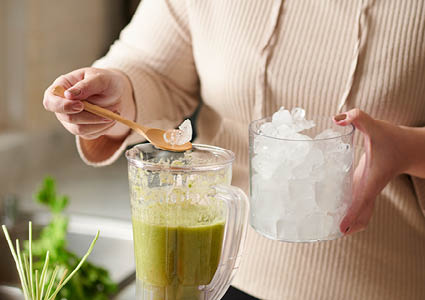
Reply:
x=177, y=248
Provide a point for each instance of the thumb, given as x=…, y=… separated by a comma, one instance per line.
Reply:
x=90, y=85
x=361, y=120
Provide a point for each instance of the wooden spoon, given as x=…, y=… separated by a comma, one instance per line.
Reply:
x=153, y=135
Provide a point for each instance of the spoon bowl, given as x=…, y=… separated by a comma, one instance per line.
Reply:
x=156, y=137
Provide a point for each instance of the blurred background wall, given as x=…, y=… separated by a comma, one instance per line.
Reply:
x=2, y=64
x=40, y=40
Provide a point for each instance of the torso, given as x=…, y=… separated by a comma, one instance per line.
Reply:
x=309, y=67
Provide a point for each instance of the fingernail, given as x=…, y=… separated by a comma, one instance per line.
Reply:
x=340, y=117
x=74, y=91
x=77, y=106
x=117, y=112
x=107, y=120
x=347, y=230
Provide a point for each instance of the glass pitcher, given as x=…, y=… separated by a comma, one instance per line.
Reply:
x=301, y=188
x=188, y=222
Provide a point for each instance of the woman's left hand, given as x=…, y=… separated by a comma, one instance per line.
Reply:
x=381, y=161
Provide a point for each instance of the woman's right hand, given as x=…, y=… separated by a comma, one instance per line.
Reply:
x=108, y=88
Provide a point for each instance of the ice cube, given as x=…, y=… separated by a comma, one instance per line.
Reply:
x=347, y=161
x=302, y=170
x=286, y=229
x=341, y=153
x=297, y=113
x=288, y=132
x=327, y=134
x=303, y=125
x=338, y=155
x=267, y=206
x=315, y=157
x=282, y=116
x=268, y=129
x=301, y=200
x=296, y=151
x=284, y=131
x=283, y=172
x=265, y=145
x=186, y=130
x=329, y=194
x=179, y=136
x=264, y=165
x=313, y=160
x=316, y=226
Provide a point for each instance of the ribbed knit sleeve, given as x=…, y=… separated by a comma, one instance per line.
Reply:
x=155, y=52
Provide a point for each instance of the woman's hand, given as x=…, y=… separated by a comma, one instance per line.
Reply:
x=383, y=159
x=110, y=89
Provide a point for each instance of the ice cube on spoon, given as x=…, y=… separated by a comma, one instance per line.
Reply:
x=179, y=136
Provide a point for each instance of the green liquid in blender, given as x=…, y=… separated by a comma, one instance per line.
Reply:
x=177, y=248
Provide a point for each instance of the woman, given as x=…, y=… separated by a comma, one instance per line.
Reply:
x=245, y=59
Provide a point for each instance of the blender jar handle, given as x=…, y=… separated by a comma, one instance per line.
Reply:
x=233, y=241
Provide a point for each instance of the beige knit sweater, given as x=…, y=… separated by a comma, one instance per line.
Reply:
x=245, y=59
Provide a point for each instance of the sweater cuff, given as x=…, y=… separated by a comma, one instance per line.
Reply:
x=104, y=151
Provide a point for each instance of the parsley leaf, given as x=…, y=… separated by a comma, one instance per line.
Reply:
x=91, y=282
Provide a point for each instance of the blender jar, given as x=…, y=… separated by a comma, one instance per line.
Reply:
x=188, y=222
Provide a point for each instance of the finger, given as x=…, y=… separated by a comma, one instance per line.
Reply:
x=57, y=104
x=358, y=201
x=362, y=220
x=88, y=131
x=69, y=79
x=357, y=117
x=83, y=117
x=110, y=102
x=92, y=84
x=368, y=182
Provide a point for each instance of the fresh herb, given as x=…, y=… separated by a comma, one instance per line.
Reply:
x=91, y=282
x=48, y=284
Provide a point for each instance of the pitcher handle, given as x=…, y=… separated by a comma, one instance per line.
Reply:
x=235, y=230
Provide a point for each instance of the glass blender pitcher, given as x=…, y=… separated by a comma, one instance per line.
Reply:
x=188, y=222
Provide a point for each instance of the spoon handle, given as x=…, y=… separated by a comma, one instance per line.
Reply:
x=106, y=113
x=102, y=112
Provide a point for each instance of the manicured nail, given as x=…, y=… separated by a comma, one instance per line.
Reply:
x=78, y=106
x=107, y=120
x=74, y=91
x=347, y=230
x=340, y=117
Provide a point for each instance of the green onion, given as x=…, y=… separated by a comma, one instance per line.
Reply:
x=37, y=290
x=43, y=275
x=30, y=258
